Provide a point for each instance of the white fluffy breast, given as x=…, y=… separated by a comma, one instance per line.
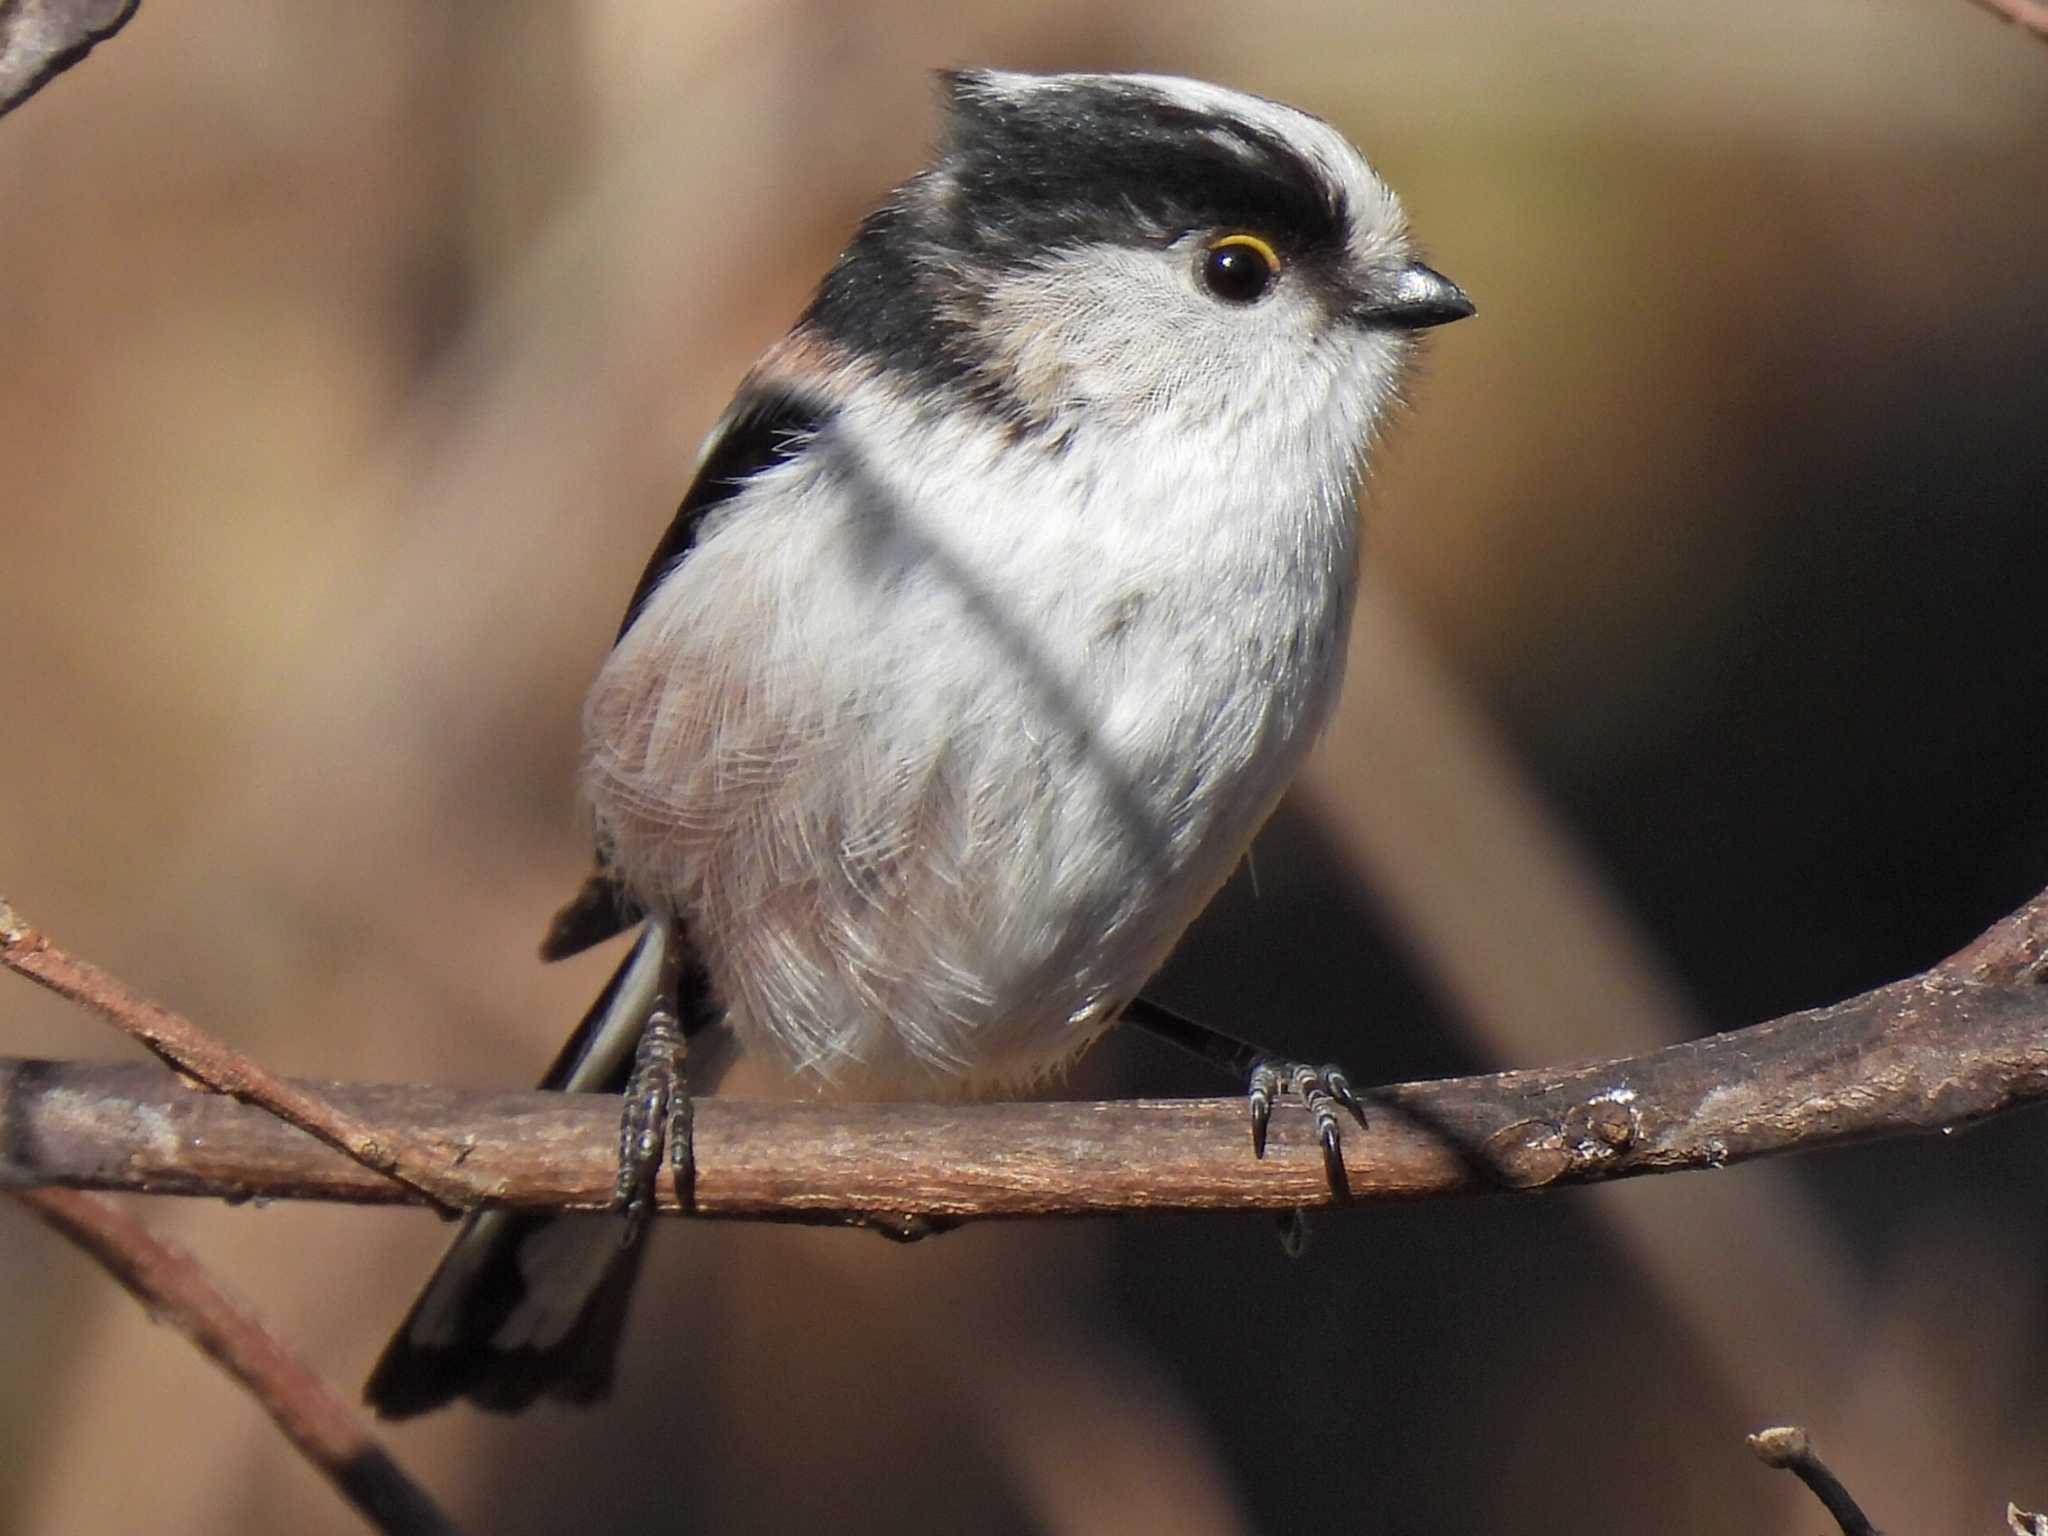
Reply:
x=941, y=734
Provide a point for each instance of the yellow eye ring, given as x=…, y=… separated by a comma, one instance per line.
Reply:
x=1252, y=243
x=1239, y=268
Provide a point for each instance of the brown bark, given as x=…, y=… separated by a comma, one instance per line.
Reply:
x=40, y=39
x=1957, y=1043
x=178, y=1291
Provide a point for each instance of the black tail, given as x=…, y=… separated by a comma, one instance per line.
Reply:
x=527, y=1305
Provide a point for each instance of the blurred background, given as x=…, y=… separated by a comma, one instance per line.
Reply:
x=356, y=353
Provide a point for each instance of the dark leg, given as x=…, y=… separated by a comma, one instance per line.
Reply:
x=657, y=1107
x=1323, y=1089
x=1232, y=1056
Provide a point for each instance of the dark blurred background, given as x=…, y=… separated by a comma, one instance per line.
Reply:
x=354, y=355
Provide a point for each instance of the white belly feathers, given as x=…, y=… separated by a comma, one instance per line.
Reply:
x=935, y=786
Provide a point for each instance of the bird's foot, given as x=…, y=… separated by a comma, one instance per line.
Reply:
x=1324, y=1090
x=657, y=1113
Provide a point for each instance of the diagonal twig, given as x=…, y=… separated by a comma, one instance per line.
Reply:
x=175, y=1289
x=40, y=39
x=1790, y=1449
x=393, y=1152
x=2029, y=15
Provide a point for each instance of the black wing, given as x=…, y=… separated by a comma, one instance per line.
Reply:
x=766, y=426
x=501, y=1262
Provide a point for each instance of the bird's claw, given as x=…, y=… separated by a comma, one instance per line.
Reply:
x=1265, y=1088
x=657, y=1113
x=1323, y=1090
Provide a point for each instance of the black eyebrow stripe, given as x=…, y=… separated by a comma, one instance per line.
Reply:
x=1023, y=175
x=1089, y=163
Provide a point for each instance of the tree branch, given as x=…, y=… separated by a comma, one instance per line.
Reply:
x=391, y=1151
x=1961, y=1041
x=2030, y=15
x=40, y=39
x=1790, y=1449
x=176, y=1290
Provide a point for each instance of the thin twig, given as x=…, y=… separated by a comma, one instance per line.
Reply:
x=40, y=39
x=1957, y=1043
x=174, y=1288
x=2032, y=15
x=1790, y=1449
x=393, y=1152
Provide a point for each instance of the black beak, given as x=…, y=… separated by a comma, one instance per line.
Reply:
x=1418, y=297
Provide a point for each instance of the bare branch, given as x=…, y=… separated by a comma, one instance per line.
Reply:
x=174, y=1288
x=1959, y=1042
x=40, y=39
x=1790, y=1449
x=2029, y=14
x=393, y=1152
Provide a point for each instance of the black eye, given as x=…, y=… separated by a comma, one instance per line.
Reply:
x=1239, y=268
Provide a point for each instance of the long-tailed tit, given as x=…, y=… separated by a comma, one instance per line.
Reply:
x=1010, y=592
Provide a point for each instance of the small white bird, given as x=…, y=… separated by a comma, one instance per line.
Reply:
x=1009, y=595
